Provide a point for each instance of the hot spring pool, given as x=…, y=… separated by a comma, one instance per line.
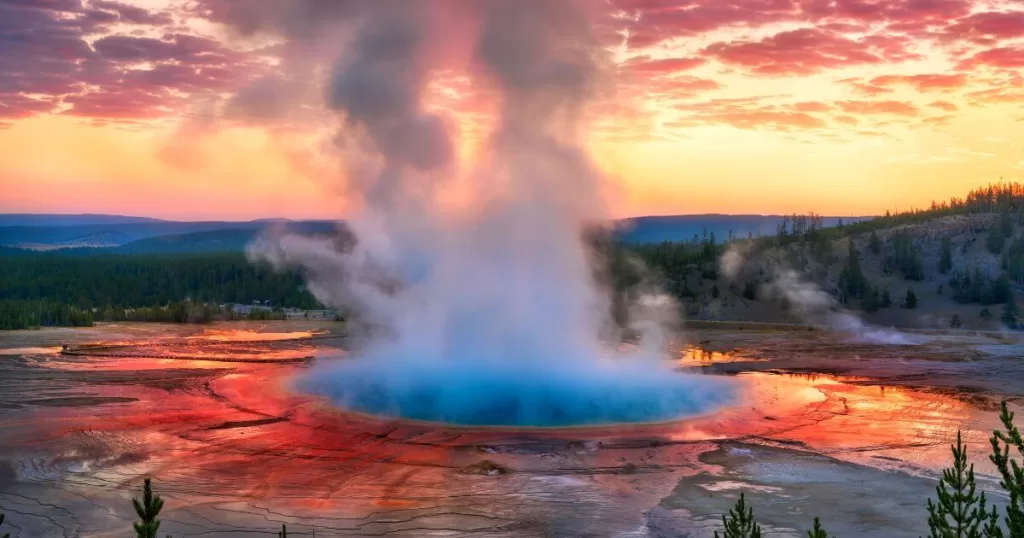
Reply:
x=518, y=395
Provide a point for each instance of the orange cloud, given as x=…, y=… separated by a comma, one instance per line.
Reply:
x=944, y=105
x=924, y=83
x=897, y=108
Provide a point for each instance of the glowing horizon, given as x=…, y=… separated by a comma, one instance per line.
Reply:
x=844, y=108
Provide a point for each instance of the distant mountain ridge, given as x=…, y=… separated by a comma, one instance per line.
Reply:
x=84, y=219
x=221, y=240
x=145, y=235
x=116, y=234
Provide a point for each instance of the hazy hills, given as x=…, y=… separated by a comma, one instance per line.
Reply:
x=147, y=235
x=138, y=234
x=85, y=219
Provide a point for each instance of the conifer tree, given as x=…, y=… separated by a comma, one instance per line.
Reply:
x=995, y=240
x=959, y=512
x=6, y=535
x=148, y=509
x=871, y=300
x=1010, y=471
x=874, y=243
x=284, y=532
x=886, y=301
x=740, y=522
x=817, y=531
x=851, y=280
x=1010, y=311
x=911, y=300
x=946, y=256
x=1006, y=223
x=750, y=291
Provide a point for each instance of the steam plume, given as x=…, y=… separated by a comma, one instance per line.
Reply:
x=811, y=303
x=490, y=314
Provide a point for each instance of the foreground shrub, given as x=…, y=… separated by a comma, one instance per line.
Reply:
x=147, y=509
x=1010, y=471
x=959, y=512
x=740, y=523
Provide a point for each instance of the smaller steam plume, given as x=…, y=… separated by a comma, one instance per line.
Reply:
x=809, y=302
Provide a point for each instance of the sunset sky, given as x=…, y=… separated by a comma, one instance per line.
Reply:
x=841, y=107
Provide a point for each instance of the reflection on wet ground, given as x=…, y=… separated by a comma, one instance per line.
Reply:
x=211, y=345
x=689, y=356
x=235, y=450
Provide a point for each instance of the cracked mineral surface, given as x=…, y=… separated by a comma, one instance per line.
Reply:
x=853, y=433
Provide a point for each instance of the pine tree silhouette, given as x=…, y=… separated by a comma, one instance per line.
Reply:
x=740, y=523
x=6, y=535
x=147, y=511
x=959, y=512
x=1010, y=471
x=817, y=531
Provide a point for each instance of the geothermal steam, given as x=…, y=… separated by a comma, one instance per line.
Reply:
x=488, y=314
x=813, y=305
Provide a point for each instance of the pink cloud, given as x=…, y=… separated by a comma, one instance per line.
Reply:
x=658, y=21
x=923, y=83
x=996, y=96
x=897, y=108
x=807, y=51
x=643, y=65
x=988, y=25
x=751, y=113
x=885, y=10
x=754, y=119
x=944, y=105
x=811, y=106
x=1011, y=57
x=46, y=54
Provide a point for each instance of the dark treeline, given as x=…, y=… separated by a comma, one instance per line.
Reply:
x=185, y=312
x=19, y=314
x=27, y=314
x=1002, y=198
x=673, y=262
x=630, y=267
x=678, y=268
x=975, y=287
x=1013, y=261
x=134, y=281
x=76, y=289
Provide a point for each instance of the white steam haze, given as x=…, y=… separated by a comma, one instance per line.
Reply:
x=487, y=313
x=812, y=304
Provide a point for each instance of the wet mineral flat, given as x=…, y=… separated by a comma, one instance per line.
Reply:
x=822, y=427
